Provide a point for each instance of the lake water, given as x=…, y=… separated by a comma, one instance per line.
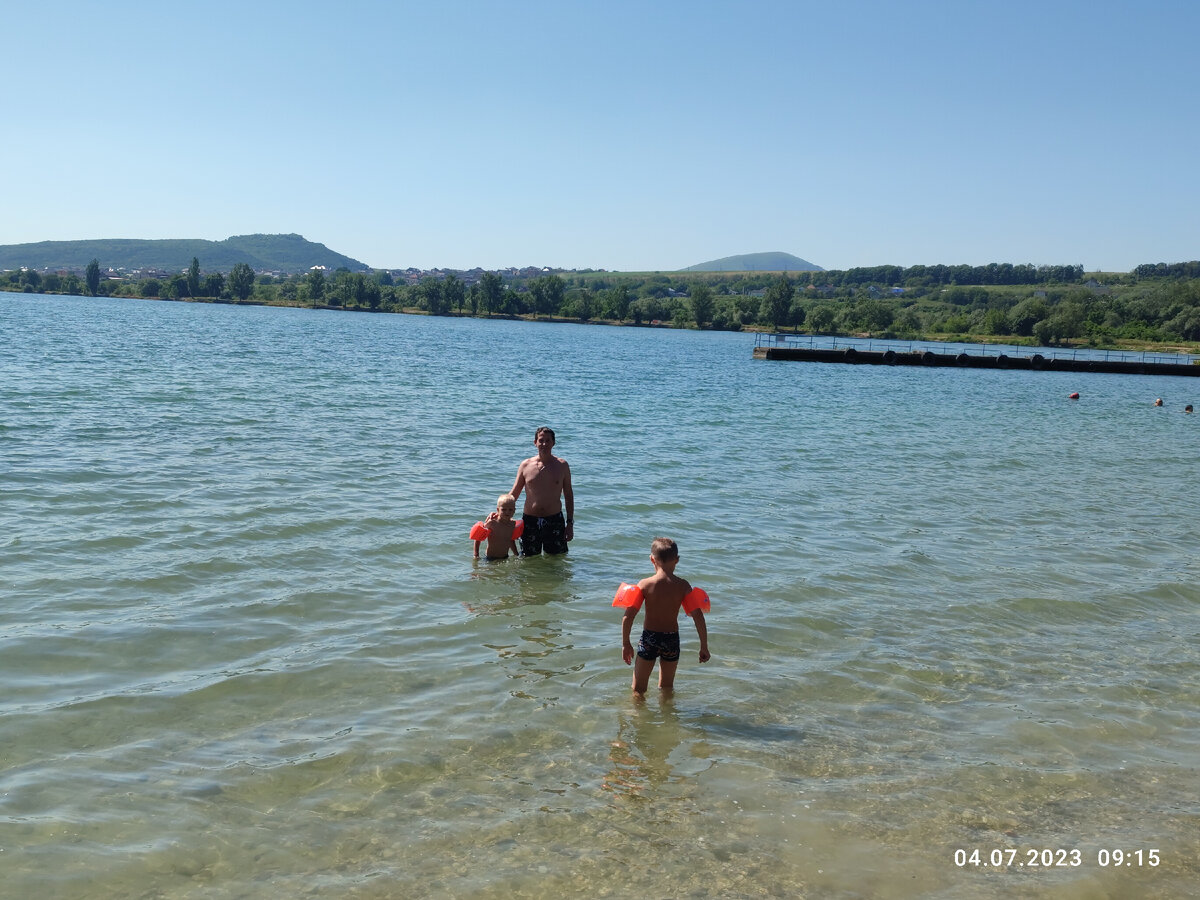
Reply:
x=245, y=651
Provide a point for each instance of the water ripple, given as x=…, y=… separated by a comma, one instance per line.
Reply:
x=245, y=650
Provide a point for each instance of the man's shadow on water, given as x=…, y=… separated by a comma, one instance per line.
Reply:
x=507, y=584
x=518, y=593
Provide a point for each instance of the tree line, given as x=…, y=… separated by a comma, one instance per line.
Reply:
x=1043, y=304
x=941, y=276
x=239, y=285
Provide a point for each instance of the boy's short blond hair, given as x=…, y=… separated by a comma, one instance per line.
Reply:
x=505, y=500
x=664, y=549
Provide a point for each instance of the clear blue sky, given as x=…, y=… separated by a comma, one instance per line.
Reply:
x=620, y=135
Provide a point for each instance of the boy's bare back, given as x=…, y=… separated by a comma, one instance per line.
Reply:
x=664, y=593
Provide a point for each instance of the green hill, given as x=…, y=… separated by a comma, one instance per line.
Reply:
x=757, y=262
x=263, y=252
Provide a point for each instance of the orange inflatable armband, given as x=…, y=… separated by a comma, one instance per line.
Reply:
x=479, y=532
x=629, y=596
x=696, y=599
x=518, y=529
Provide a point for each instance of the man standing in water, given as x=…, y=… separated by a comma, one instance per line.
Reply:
x=545, y=478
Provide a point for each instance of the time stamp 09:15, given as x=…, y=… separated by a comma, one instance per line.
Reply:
x=1045, y=858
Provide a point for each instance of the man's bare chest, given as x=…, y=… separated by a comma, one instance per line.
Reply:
x=547, y=474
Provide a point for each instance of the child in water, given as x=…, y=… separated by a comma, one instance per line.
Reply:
x=499, y=529
x=664, y=593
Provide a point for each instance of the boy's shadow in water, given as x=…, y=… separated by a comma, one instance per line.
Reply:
x=641, y=769
x=641, y=765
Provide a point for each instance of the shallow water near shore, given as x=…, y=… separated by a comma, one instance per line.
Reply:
x=245, y=651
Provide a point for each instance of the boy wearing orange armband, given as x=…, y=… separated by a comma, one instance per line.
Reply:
x=499, y=529
x=663, y=594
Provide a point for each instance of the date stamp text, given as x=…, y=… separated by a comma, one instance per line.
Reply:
x=1054, y=858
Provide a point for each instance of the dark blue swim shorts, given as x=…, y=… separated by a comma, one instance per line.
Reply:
x=548, y=533
x=655, y=644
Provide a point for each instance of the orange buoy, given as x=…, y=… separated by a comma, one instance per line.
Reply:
x=1074, y=396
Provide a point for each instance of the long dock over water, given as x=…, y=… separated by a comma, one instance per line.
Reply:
x=860, y=351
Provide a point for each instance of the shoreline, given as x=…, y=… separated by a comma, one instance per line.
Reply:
x=1066, y=344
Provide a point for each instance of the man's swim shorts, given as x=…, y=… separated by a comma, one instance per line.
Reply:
x=547, y=534
x=655, y=644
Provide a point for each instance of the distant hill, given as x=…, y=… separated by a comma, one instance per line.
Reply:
x=757, y=262
x=264, y=253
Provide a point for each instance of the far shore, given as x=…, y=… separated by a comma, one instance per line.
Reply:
x=971, y=338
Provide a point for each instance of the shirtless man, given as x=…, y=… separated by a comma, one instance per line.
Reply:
x=546, y=480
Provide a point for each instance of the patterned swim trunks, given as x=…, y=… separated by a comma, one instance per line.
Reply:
x=655, y=644
x=548, y=533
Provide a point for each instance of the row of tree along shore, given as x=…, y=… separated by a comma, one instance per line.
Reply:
x=1048, y=305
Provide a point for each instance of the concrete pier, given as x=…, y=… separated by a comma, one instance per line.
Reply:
x=896, y=353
